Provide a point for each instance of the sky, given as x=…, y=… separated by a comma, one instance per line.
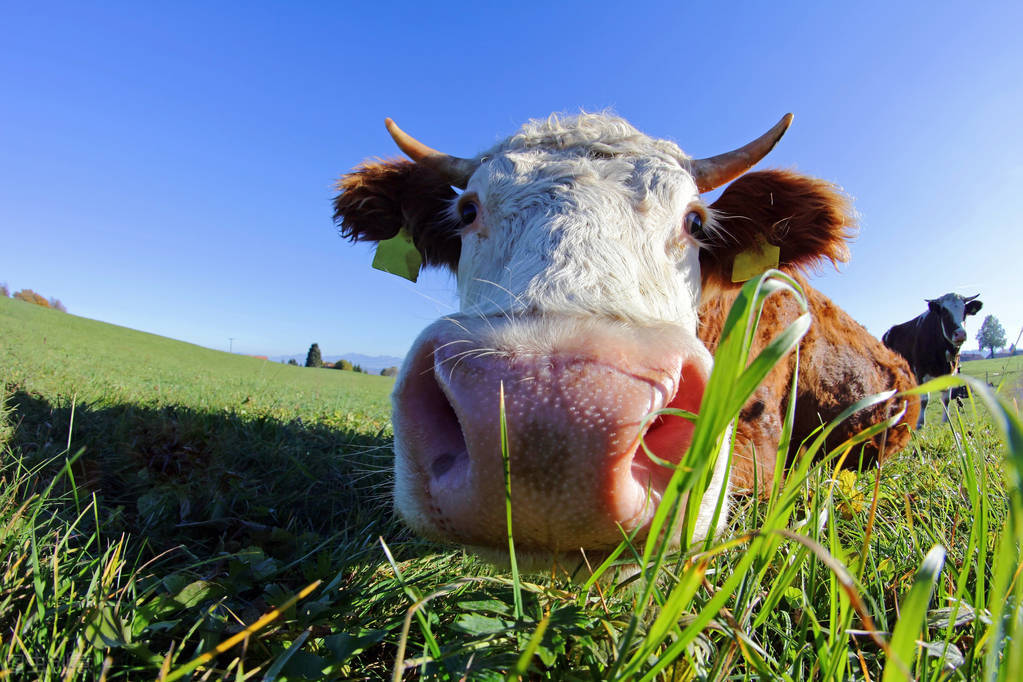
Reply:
x=169, y=167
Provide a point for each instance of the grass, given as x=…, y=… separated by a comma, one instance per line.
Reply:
x=172, y=512
x=1005, y=374
x=64, y=355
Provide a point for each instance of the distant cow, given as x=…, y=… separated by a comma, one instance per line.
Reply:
x=931, y=341
x=587, y=264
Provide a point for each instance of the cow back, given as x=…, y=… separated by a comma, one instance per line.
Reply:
x=839, y=363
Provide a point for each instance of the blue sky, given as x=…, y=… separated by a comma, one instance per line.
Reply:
x=169, y=167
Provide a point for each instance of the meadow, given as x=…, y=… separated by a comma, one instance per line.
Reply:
x=173, y=512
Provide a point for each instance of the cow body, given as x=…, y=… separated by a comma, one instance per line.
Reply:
x=582, y=250
x=930, y=342
x=840, y=362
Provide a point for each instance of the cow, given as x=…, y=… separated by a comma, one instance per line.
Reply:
x=930, y=342
x=591, y=278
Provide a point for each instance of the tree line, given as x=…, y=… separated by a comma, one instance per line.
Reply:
x=315, y=359
x=29, y=296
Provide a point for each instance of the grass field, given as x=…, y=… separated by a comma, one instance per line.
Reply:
x=168, y=511
x=996, y=370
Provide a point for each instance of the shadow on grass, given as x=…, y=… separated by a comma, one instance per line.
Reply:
x=211, y=482
x=182, y=526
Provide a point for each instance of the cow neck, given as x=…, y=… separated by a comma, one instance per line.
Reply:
x=937, y=357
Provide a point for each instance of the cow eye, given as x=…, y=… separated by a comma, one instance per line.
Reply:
x=694, y=223
x=467, y=213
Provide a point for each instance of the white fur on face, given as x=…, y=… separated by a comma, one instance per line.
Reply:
x=955, y=306
x=575, y=226
x=578, y=287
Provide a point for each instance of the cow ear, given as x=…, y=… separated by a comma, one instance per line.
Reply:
x=933, y=305
x=809, y=219
x=973, y=307
x=379, y=198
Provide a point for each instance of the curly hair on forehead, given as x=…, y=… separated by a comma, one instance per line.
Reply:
x=601, y=133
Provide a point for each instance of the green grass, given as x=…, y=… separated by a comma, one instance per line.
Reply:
x=978, y=368
x=166, y=510
x=57, y=354
x=1005, y=374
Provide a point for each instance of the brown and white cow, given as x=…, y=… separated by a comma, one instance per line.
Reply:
x=581, y=248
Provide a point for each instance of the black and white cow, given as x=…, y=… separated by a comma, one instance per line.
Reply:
x=931, y=341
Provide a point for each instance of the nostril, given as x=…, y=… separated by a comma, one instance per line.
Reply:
x=442, y=464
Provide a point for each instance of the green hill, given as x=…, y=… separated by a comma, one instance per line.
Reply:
x=996, y=370
x=58, y=355
x=170, y=470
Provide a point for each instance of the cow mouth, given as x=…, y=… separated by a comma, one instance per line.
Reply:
x=575, y=410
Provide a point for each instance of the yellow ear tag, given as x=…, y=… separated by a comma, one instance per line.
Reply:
x=755, y=261
x=399, y=256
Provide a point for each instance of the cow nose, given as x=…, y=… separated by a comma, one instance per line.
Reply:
x=960, y=336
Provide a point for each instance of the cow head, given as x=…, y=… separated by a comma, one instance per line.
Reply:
x=952, y=310
x=581, y=247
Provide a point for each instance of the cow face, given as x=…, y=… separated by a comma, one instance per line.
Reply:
x=952, y=310
x=577, y=245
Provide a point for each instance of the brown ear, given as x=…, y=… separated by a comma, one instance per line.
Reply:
x=809, y=219
x=378, y=198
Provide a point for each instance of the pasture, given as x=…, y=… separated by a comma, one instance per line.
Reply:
x=1004, y=373
x=171, y=512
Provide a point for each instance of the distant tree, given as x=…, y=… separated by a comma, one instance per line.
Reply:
x=57, y=305
x=30, y=296
x=991, y=334
x=389, y=372
x=313, y=358
x=293, y=361
x=343, y=364
x=357, y=368
x=4, y=291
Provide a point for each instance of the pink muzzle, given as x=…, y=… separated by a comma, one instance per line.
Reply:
x=577, y=394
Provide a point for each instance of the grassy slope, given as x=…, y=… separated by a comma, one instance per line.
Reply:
x=58, y=354
x=242, y=481
x=995, y=369
x=221, y=467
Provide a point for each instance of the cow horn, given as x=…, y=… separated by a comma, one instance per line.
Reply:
x=715, y=171
x=970, y=298
x=454, y=169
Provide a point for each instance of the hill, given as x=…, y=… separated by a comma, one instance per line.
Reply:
x=158, y=460
x=62, y=355
x=1003, y=371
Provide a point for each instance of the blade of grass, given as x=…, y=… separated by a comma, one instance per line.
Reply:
x=414, y=595
x=522, y=665
x=912, y=616
x=506, y=460
x=265, y=620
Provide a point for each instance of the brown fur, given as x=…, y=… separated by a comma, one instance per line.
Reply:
x=380, y=197
x=808, y=218
x=840, y=362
